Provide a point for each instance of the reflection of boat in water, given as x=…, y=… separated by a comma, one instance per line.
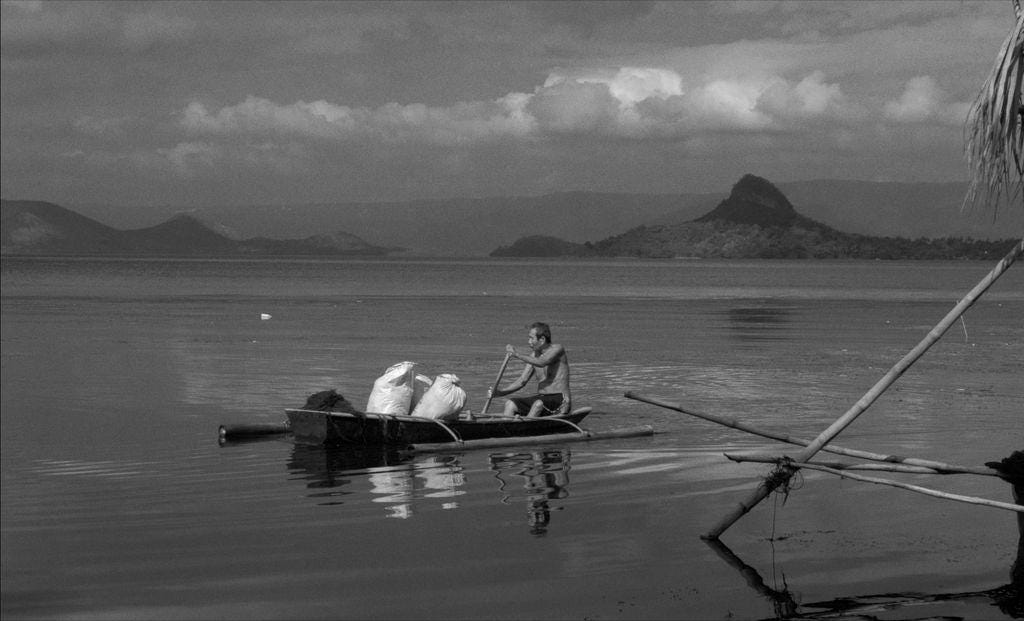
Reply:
x=400, y=481
x=439, y=478
x=395, y=479
x=327, y=467
x=368, y=429
x=545, y=477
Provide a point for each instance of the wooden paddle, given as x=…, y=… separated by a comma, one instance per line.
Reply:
x=497, y=381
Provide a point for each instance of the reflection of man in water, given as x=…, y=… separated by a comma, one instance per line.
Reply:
x=540, y=488
x=546, y=476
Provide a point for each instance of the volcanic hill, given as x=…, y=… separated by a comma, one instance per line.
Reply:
x=756, y=221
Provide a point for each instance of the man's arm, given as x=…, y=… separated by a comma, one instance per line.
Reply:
x=550, y=355
x=516, y=385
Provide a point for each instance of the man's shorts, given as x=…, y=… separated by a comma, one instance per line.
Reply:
x=551, y=404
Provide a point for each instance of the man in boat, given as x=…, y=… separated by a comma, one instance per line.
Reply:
x=550, y=363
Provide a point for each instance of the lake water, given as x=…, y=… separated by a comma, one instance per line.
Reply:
x=119, y=503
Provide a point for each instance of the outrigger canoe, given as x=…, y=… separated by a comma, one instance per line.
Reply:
x=369, y=429
x=329, y=419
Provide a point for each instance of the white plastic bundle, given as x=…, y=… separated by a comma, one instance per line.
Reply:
x=392, y=392
x=420, y=385
x=443, y=400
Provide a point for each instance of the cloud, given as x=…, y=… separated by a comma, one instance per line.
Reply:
x=188, y=156
x=385, y=99
x=810, y=98
x=574, y=107
x=390, y=123
x=656, y=102
x=611, y=103
x=923, y=101
x=628, y=85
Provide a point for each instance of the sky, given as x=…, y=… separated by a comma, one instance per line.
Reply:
x=198, y=104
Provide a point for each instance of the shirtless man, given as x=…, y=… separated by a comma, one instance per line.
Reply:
x=551, y=365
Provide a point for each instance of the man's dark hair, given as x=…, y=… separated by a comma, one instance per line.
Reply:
x=543, y=330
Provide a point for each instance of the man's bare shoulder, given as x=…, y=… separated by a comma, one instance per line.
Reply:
x=556, y=350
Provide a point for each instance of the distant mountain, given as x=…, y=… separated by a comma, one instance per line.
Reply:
x=476, y=226
x=755, y=201
x=335, y=243
x=182, y=234
x=455, y=227
x=542, y=246
x=756, y=220
x=39, y=228
x=27, y=225
x=885, y=209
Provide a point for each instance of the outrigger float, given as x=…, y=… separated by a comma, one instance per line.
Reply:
x=346, y=426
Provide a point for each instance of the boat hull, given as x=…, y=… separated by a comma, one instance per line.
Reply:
x=346, y=428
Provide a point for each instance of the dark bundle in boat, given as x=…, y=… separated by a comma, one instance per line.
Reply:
x=329, y=401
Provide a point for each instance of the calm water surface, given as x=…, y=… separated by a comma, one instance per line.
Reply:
x=118, y=502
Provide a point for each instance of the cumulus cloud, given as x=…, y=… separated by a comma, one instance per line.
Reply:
x=571, y=106
x=628, y=85
x=391, y=122
x=620, y=103
x=635, y=109
x=810, y=98
x=923, y=101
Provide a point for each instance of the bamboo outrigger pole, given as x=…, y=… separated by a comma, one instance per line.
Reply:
x=935, y=466
x=766, y=458
x=782, y=475
x=974, y=500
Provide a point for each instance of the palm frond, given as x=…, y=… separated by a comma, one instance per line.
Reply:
x=994, y=137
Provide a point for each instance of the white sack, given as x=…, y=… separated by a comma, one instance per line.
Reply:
x=443, y=400
x=392, y=392
x=420, y=385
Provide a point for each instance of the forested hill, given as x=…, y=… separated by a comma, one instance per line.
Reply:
x=40, y=228
x=756, y=221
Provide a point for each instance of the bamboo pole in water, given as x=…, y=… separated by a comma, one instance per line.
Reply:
x=770, y=484
x=914, y=488
x=765, y=458
x=645, y=430
x=938, y=466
